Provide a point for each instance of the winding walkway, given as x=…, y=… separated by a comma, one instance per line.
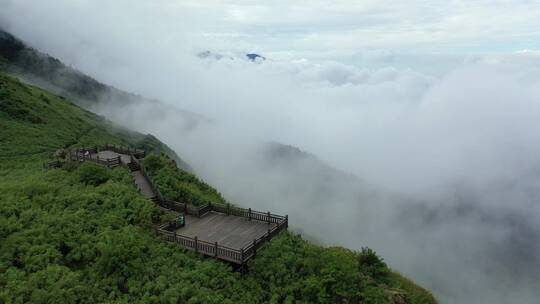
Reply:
x=143, y=184
x=138, y=178
x=218, y=230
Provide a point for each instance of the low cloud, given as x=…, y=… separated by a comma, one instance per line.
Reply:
x=443, y=171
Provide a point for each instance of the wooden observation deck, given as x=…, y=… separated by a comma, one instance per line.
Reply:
x=217, y=230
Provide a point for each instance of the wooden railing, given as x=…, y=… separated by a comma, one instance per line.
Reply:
x=52, y=165
x=83, y=154
x=247, y=213
x=91, y=150
x=250, y=250
x=190, y=209
x=150, y=180
x=203, y=247
x=203, y=209
x=168, y=230
x=223, y=208
x=126, y=150
x=238, y=256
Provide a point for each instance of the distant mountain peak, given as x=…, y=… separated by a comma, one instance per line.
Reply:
x=231, y=56
x=255, y=57
x=209, y=54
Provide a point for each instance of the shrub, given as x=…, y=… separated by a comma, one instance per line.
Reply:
x=177, y=184
x=92, y=174
x=45, y=98
x=70, y=166
x=372, y=265
x=16, y=111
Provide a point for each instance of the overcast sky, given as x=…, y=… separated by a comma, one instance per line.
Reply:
x=427, y=26
x=306, y=26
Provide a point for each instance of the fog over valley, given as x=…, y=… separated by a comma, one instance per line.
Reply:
x=422, y=144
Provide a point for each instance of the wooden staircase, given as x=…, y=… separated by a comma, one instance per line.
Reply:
x=133, y=166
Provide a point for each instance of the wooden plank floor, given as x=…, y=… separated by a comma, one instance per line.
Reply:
x=111, y=154
x=231, y=231
x=143, y=184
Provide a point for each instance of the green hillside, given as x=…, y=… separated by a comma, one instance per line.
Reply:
x=18, y=58
x=83, y=233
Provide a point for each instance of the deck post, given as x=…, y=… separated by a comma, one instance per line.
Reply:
x=268, y=217
x=216, y=249
x=174, y=233
x=108, y=162
x=249, y=214
x=242, y=255
x=196, y=245
x=286, y=220
x=119, y=160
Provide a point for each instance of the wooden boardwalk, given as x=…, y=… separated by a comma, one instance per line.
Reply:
x=140, y=181
x=143, y=185
x=227, y=230
x=218, y=230
x=125, y=159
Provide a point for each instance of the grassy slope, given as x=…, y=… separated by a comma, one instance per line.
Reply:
x=177, y=184
x=36, y=122
x=65, y=238
x=17, y=58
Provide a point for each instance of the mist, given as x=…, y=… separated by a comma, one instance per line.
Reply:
x=431, y=158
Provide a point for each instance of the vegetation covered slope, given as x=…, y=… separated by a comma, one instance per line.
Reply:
x=20, y=59
x=43, y=70
x=177, y=184
x=35, y=121
x=83, y=234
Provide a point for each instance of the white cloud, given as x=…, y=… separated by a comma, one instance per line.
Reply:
x=305, y=25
